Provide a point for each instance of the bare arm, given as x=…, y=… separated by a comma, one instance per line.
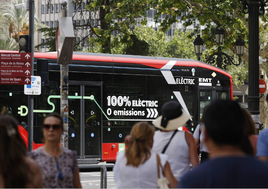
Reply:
x=76, y=180
x=193, y=152
x=196, y=142
x=168, y=174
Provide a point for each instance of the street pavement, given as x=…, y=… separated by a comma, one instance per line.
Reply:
x=92, y=179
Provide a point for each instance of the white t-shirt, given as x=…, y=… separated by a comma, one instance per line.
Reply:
x=177, y=151
x=203, y=147
x=143, y=176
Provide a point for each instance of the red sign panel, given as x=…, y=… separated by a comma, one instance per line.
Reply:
x=7, y=72
x=15, y=56
x=15, y=68
x=15, y=64
x=15, y=80
x=262, y=86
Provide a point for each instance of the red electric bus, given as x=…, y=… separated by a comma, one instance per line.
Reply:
x=109, y=93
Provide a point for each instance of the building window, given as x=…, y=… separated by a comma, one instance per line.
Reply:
x=56, y=8
x=47, y=9
x=42, y=9
x=51, y=8
x=150, y=14
x=51, y=24
x=84, y=6
x=47, y=23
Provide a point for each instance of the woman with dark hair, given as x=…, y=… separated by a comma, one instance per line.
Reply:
x=249, y=142
x=138, y=167
x=17, y=170
x=59, y=165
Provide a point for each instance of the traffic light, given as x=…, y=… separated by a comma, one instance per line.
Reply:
x=24, y=43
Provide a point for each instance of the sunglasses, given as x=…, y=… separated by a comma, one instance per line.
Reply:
x=54, y=126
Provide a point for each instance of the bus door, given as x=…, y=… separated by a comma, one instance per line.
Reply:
x=85, y=120
x=207, y=94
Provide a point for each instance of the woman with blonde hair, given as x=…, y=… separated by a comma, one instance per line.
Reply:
x=138, y=166
x=17, y=170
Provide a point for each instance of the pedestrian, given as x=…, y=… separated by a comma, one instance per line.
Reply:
x=178, y=145
x=249, y=144
x=138, y=166
x=229, y=166
x=59, y=165
x=17, y=170
x=199, y=140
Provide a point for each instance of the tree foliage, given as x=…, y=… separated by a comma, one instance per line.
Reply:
x=50, y=35
x=14, y=22
x=118, y=17
x=179, y=46
x=210, y=13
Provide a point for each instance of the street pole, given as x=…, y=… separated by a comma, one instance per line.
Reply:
x=253, y=92
x=64, y=72
x=31, y=97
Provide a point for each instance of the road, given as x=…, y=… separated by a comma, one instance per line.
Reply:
x=92, y=179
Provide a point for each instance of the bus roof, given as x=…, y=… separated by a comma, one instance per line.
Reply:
x=150, y=61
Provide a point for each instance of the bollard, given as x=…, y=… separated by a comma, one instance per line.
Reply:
x=103, y=181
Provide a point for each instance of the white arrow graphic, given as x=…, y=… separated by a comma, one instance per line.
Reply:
x=27, y=56
x=27, y=64
x=149, y=112
x=152, y=115
x=152, y=112
x=27, y=72
x=27, y=80
x=181, y=101
x=166, y=71
x=156, y=113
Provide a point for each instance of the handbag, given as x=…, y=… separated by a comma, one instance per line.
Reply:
x=162, y=182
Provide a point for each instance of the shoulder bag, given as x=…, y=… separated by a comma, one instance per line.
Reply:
x=162, y=182
x=163, y=151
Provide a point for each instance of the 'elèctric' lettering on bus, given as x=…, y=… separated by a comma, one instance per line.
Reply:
x=185, y=81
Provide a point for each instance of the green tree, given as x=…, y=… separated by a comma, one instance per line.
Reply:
x=118, y=17
x=227, y=14
x=15, y=21
x=159, y=45
x=178, y=46
x=50, y=35
x=6, y=42
x=181, y=45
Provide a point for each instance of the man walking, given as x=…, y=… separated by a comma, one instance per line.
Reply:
x=228, y=167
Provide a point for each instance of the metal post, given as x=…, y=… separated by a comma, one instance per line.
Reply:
x=219, y=57
x=253, y=97
x=103, y=180
x=31, y=97
x=64, y=70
